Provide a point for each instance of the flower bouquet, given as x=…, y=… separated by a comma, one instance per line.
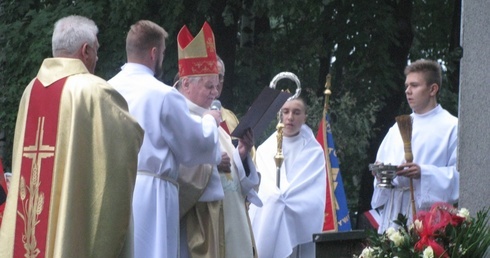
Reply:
x=441, y=232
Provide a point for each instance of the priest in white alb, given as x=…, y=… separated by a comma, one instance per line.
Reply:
x=293, y=212
x=172, y=137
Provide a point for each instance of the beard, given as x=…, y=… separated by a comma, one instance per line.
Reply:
x=158, y=69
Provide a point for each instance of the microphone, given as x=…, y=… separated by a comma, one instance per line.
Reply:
x=216, y=105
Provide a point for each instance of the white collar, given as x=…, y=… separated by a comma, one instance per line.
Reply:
x=195, y=108
x=135, y=67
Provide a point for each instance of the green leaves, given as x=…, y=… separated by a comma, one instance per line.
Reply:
x=470, y=239
x=364, y=45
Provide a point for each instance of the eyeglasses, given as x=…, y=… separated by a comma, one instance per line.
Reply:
x=221, y=78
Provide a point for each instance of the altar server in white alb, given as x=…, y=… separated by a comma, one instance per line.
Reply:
x=434, y=147
x=172, y=137
x=291, y=214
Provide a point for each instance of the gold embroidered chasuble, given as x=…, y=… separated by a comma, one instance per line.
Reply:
x=80, y=204
x=200, y=219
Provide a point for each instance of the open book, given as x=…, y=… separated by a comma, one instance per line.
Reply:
x=262, y=112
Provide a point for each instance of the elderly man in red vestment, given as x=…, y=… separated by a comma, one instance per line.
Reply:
x=74, y=158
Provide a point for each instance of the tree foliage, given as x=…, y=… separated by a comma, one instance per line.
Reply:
x=364, y=45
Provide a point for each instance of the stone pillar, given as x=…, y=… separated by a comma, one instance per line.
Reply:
x=474, y=106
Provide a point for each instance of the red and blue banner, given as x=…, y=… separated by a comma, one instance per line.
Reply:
x=336, y=211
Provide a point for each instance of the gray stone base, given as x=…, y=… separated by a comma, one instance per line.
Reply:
x=339, y=244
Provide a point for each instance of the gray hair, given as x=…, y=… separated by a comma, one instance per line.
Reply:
x=71, y=32
x=222, y=64
x=192, y=79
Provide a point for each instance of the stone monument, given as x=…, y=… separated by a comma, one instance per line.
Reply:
x=474, y=106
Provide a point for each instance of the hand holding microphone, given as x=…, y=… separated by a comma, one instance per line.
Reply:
x=216, y=105
x=215, y=111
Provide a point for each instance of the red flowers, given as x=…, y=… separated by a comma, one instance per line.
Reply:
x=432, y=225
x=443, y=231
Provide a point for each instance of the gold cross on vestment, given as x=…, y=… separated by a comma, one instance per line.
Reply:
x=44, y=151
x=34, y=202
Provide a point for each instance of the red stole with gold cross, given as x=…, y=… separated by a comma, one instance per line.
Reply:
x=38, y=157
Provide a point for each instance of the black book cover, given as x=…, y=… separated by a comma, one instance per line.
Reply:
x=262, y=112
